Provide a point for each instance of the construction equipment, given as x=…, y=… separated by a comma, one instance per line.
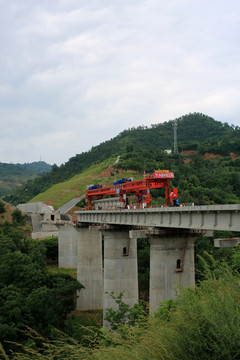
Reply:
x=125, y=187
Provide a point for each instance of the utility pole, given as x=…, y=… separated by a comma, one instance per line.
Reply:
x=175, y=150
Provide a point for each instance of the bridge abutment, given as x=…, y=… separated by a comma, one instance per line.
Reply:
x=171, y=266
x=120, y=269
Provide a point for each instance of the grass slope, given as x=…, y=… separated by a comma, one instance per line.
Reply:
x=101, y=173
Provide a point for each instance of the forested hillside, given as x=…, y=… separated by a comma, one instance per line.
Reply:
x=144, y=146
x=203, y=179
x=37, y=306
x=13, y=176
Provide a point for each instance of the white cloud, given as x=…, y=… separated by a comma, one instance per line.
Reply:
x=77, y=73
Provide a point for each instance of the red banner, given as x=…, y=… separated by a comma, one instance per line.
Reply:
x=163, y=175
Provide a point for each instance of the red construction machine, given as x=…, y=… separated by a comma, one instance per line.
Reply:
x=141, y=188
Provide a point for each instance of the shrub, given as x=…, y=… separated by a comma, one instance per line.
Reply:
x=2, y=208
x=18, y=218
x=51, y=245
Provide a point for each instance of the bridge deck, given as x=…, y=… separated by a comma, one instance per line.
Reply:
x=211, y=217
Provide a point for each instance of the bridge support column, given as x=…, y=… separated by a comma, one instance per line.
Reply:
x=171, y=266
x=89, y=268
x=120, y=269
x=67, y=246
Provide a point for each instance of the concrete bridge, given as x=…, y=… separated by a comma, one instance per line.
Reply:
x=212, y=217
x=107, y=239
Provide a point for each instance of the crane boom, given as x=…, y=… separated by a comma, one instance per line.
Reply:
x=141, y=188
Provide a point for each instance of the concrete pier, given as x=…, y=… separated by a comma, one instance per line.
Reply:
x=89, y=268
x=171, y=266
x=67, y=246
x=120, y=269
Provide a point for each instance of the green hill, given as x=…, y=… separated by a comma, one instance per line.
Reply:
x=102, y=173
x=13, y=176
x=142, y=148
x=202, y=179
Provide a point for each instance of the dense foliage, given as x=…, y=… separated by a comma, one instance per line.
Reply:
x=203, y=323
x=199, y=180
x=192, y=129
x=51, y=246
x=2, y=207
x=29, y=294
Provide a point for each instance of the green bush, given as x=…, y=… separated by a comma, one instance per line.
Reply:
x=2, y=208
x=51, y=245
x=18, y=218
x=124, y=314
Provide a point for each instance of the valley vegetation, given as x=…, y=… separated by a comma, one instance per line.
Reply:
x=30, y=295
x=38, y=321
x=37, y=306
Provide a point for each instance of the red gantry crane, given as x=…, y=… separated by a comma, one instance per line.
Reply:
x=141, y=188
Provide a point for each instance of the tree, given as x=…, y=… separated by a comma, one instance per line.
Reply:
x=2, y=208
x=124, y=313
x=18, y=217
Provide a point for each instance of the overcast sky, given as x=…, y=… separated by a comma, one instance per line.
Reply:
x=74, y=73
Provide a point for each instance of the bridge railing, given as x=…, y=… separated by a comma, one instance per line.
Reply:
x=134, y=207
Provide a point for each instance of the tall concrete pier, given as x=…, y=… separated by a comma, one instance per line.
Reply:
x=120, y=268
x=67, y=246
x=89, y=268
x=171, y=266
x=171, y=263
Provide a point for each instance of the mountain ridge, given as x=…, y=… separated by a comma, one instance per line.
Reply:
x=13, y=176
x=193, y=130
